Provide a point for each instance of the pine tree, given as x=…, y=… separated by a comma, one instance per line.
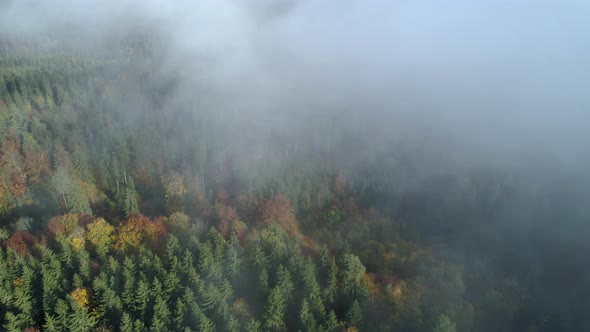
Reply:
x=352, y=271
x=284, y=281
x=263, y=282
x=331, y=323
x=180, y=310
x=312, y=289
x=161, y=316
x=355, y=314
x=142, y=298
x=274, y=311
x=126, y=323
x=172, y=247
x=232, y=256
x=14, y=322
x=81, y=320
x=78, y=198
x=52, y=282
x=138, y=325
x=129, y=283
x=306, y=318
x=171, y=284
x=205, y=324
x=445, y=324
x=131, y=205
x=84, y=265
x=253, y=325
x=329, y=274
x=62, y=311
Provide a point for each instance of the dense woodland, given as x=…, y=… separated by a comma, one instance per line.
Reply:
x=123, y=208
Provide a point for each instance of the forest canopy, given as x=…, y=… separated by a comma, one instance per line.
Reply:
x=148, y=184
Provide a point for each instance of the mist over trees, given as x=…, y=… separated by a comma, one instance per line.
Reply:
x=293, y=166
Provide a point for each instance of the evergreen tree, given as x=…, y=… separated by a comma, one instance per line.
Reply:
x=444, y=324
x=253, y=325
x=126, y=323
x=142, y=298
x=161, y=317
x=331, y=323
x=306, y=318
x=274, y=311
x=355, y=314
x=128, y=295
x=232, y=256
x=131, y=205
x=205, y=324
x=81, y=320
x=180, y=310
x=284, y=281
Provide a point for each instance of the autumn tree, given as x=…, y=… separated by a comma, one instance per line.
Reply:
x=132, y=232
x=100, y=235
x=279, y=210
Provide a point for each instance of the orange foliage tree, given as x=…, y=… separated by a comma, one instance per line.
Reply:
x=137, y=230
x=225, y=216
x=277, y=209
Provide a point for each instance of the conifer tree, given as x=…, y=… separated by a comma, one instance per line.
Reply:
x=161, y=317
x=126, y=323
x=331, y=323
x=445, y=324
x=232, y=256
x=253, y=325
x=274, y=311
x=131, y=205
x=355, y=314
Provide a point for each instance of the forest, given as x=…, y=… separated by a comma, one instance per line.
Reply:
x=124, y=207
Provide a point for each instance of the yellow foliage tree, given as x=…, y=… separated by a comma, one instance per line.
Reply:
x=77, y=243
x=131, y=234
x=100, y=235
x=81, y=297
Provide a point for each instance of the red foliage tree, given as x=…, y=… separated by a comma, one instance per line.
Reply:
x=277, y=209
x=225, y=215
x=63, y=224
x=21, y=242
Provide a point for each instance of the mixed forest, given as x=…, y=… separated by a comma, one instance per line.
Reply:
x=125, y=208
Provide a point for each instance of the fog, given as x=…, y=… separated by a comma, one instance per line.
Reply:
x=441, y=88
x=452, y=88
x=491, y=81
